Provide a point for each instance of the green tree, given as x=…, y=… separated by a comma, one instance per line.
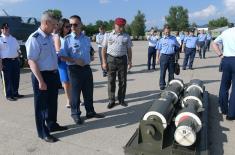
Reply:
x=177, y=18
x=220, y=22
x=57, y=13
x=138, y=25
x=128, y=29
x=90, y=29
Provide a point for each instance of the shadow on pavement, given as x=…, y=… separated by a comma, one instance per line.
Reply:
x=216, y=136
x=210, y=81
x=140, y=65
x=117, y=118
x=143, y=71
x=212, y=66
x=104, y=83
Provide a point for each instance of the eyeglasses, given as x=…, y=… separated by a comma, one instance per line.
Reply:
x=5, y=28
x=74, y=25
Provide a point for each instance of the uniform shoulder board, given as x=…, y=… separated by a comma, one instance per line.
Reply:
x=36, y=35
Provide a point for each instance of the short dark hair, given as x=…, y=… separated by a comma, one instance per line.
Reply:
x=166, y=26
x=4, y=25
x=62, y=23
x=102, y=26
x=76, y=16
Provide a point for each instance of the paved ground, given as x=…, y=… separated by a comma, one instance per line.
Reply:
x=107, y=136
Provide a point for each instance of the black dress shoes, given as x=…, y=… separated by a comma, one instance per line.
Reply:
x=58, y=128
x=78, y=120
x=18, y=96
x=230, y=118
x=94, y=115
x=111, y=105
x=124, y=104
x=11, y=98
x=50, y=139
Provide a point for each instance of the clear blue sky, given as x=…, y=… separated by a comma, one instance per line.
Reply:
x=200, y=11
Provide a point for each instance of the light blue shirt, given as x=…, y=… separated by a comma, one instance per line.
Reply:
x=166, y=45
x=77, y=47
x=227, y=38
x=202, y=37
x=152, y=40
x=208, y=37
x=40, y=48
x=182, y=36
x=191, y=41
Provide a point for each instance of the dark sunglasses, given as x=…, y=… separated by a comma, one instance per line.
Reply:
x=74, y=25
x=5, y=28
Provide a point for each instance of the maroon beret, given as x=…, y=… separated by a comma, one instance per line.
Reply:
x=120, y=21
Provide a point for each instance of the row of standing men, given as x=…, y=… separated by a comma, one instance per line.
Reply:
x=167, y=49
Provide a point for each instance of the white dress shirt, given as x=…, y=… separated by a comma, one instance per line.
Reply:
x=9, y=47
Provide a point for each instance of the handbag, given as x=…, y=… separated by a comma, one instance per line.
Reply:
x=177, y=68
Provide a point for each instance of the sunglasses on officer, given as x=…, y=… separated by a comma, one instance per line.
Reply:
x=76, y=25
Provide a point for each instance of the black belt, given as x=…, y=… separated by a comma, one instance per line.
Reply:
x=191, y=48
x=119, y=57
x=78, y=66
x=168, y=54
x=49, y=71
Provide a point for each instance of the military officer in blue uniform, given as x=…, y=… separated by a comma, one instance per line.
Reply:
x=76, y=51
x=9, y=65
x=166, y=56
x=42, y=60
x=189, y=47
x=227, y=105
x=208, y=41
x=202, y=44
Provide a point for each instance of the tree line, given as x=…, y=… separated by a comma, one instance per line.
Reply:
x=177, y=19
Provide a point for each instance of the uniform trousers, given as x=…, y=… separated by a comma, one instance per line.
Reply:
x=81, y=79
x=189, y=57
x=202, y=49
x=151, y=56
x=11, y=76
x=227, y=104
x=45, y=102
x=167, y=62
x=117, y=66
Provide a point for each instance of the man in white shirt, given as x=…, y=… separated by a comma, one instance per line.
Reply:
x=152, y=39
x=9, y=49
x=99, y=40
x=227, y=103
